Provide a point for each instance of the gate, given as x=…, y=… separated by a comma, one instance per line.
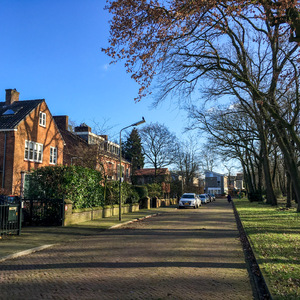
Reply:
x=43, y=212
x=10, y=218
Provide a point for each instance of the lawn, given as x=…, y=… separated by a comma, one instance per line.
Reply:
x=274, y=233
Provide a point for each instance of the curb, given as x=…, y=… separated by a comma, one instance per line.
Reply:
x=260, y=286
x=40, y=248
x=25, y=252
x=135, y=220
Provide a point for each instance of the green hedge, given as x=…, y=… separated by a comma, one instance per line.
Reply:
x=78, y=184
x=141, y=190
x=154, y=190
x=129, y=194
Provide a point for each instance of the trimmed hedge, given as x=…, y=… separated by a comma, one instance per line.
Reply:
x=78, y=184
x=129, y=194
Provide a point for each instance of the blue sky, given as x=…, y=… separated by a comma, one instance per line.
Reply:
x=52, y=50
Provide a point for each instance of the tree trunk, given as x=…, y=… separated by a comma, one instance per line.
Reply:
x=288, y=191
x=289, y=159
x=271, y=197
x=259, y=171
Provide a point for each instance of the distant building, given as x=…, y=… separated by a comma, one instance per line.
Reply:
x=240, y=181
x=215, y=183
x=148, y=176
x=85, y=148
x=236, y=182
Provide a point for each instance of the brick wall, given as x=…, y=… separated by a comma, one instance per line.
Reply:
x=29, y=129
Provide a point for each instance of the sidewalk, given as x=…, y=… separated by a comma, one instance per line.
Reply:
x=37, y=238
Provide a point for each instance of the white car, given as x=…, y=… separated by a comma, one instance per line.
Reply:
x=204, y=199
x=189, y=200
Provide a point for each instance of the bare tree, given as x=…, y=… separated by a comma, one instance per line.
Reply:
x=235, y=135
x=187, y=163
x=159, y=146
x=244, y=49
x=208, y=157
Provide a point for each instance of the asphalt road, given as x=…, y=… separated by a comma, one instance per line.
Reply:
x=180, y=254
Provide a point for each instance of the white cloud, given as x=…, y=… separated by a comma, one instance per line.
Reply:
x=105, y=67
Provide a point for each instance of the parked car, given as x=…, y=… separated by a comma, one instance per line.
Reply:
x=189, y=200
x=213, y=197
x=203, y=198
x=209, y=197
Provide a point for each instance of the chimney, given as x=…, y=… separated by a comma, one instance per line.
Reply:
x=105, y=137
x=83, y=128
x=12, y=95
x=62, y=122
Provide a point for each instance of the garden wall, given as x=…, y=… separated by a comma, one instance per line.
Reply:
x=73, y=216
x=78, y=216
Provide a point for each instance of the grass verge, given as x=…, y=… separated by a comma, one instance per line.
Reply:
x=274, y=234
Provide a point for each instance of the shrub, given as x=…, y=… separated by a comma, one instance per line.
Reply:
x=78, y=184
x=141, y=190
x=129, y=195
x=154, y=190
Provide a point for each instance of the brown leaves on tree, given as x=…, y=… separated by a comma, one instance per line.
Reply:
x=144, y=32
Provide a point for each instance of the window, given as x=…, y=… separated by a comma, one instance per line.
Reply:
x=110, y=170
x=53, y=155
x=33, y=151
x=42, y=119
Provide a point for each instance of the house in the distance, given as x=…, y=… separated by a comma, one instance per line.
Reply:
x=148, y=176
x=85, y=148
x=76, y=150
x=29, y=139
x=235, y=183
x=215, y=183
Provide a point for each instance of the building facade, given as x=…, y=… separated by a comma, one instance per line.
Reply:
x=85, y=148
x=215, y=183
x=148, y=176
x=29, y=139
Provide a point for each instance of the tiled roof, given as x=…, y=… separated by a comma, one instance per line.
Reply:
x=12, y=115
x=151, y=172
x=72, y=139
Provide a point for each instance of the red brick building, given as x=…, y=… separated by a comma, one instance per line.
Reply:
x=91, y=150
x=148, y=176
x=29, y=139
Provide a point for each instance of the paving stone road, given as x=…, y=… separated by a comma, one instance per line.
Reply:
x=180, y=254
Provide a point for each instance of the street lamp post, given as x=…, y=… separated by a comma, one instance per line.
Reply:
x=120, y=183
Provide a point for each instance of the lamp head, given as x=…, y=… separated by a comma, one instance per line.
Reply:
x=140, y=122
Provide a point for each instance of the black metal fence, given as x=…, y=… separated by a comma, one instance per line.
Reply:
x=10, y=218
x=43, y=212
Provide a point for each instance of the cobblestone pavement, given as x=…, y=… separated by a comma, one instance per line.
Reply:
x=180, y=254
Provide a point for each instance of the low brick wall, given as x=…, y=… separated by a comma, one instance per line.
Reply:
x=165, y=202
x=75, y=217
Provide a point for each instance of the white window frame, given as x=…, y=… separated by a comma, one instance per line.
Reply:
x=42, y=119
x=53, y=155
x=33, y=151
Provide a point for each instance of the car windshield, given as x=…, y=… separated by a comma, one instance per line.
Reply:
x=188, y=196
x=202, y=196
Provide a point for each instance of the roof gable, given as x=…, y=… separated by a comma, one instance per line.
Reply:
x=12, y=115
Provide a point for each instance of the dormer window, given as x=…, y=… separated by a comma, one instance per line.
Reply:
x=42, y=121
x=8, y=112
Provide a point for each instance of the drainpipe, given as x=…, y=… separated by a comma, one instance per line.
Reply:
x=4, y=159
